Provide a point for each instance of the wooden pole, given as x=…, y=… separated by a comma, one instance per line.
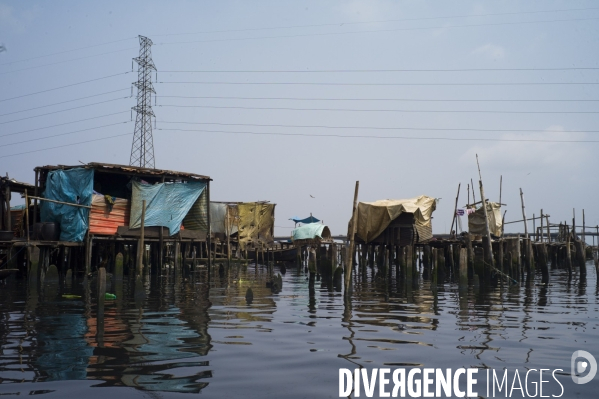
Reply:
x=7, y=221
x=524, y=214
x=468, y=194
x=473, y=195
x=61, y=202
x=548, y=232
x=37, y=173
x=209, y=235
x=500, y=186
x=141, y=246
x=487, y=230
x=27, y=216
x=455, y=209
x=354, y=222
x=583, y=227
x=463, y=268
x=542, y=232
x=228, y=230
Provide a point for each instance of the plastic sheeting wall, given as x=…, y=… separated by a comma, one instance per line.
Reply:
x=218, y=217
x=74, y=186
x=167, y=204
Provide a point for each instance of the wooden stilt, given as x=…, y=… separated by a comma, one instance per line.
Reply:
x=354, y=226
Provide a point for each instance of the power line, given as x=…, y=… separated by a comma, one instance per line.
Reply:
x=377, y=31
x=62, y=134
x=387, y=84
x=383, y=137
x=62, y=124
x=63, y=102
x=67, y=51
x=383, y=128
x=387, y=70
x=301, y=26
x=65, y=86
x=375, y=22
x=62, y=62
x=63, y=110
x=380, y=110
x=371, y=99
x=65, y=145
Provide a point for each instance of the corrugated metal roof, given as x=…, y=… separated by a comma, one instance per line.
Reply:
x=129, y=170
x=16, y=186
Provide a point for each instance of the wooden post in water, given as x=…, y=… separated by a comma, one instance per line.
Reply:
x=524, y=214
x=489, y=250
x=568, y=253
x=500, y=257
x=542, y=232
x=100, y=311
x=141, y=246
x=118, y=267
x=409, y=263
x=228, y=228
x=548, y=231
x=354, y=222
x=463, y=268
x=580, y=256
x=435, y=268
x=455, y=210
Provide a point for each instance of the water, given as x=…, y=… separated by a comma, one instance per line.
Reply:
x=184, y=336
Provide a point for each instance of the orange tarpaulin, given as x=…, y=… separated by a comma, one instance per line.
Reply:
x=102, y=220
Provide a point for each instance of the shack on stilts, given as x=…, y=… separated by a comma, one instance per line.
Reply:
x=243, y=230
x=82, y=216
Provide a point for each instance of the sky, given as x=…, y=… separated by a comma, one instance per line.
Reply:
x=264, y=96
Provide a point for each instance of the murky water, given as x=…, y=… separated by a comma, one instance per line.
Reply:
x=184, y=336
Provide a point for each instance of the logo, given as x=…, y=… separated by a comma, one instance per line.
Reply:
x=578, y=367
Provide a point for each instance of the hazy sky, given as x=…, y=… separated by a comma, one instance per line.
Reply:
x=59, y=43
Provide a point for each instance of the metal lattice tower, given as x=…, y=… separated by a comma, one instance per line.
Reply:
x=142, y=149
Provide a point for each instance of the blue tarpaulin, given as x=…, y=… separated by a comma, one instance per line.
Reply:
x=74, y=186
x=309, y=219
x=166, y=203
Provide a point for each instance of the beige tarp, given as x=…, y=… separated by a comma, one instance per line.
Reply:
x=256, y=222
x=476, y=220
x=374, y=217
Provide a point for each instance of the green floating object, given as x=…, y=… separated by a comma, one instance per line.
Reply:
x=69, y=296
x=109, y=296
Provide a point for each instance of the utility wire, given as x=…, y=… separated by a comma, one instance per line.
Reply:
x=62, y=87
x=376, y=31
x=303, y=26
x=386, y=84
x=62, y=124
x=71, y=60
x=382, y=128
x=65, y=145
x=368, y=99
x=383, y=137
x=63, y=110
x=67, y=51
x=386, y=70
x=376, y=22
x=64, y=102
x=380, y=110
x=62, y=134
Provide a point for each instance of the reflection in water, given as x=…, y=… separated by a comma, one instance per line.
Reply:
x=179, y=333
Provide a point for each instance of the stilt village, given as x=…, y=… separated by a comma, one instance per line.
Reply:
x=129, y=222
x=99, y=221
